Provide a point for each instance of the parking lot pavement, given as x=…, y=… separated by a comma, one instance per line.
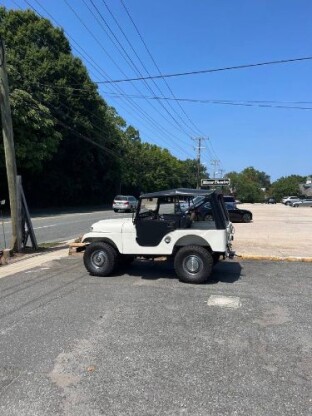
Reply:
x=276, y=231
x=142, y=343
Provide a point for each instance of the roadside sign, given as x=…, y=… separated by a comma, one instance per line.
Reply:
x=214, y=182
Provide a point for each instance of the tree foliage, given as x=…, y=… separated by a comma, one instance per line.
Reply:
x=33, y=123
x=248, y=185
x=71, y=147
x=286, y=186
x=161, y=169
x=55, y=123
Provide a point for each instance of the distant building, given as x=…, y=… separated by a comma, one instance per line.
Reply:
x=306, y=188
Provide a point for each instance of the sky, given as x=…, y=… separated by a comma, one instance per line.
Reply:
x=126, y=39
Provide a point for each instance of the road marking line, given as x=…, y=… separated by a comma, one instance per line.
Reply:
x=45, y=226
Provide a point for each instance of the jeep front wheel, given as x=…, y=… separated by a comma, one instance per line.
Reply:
x=100, y=258
x=193, y=264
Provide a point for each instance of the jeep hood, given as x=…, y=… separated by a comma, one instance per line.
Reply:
x=110, y=225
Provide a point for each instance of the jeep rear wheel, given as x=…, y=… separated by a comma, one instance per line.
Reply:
x=100, y=258
x=193, y=264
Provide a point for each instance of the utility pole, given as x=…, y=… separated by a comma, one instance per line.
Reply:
x=199, y=147
x=214, y=163
x=9, y=151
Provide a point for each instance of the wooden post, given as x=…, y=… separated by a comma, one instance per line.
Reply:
x=8, y=143
x=25, y=217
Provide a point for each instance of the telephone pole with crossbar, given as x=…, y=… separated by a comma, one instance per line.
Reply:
x=198, y=147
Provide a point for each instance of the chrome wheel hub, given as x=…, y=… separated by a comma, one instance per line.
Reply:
x=99, y=258
x=193, y=264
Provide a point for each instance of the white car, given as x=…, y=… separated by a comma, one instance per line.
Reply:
x=160, y=229
x=289, y=200
x=126, y=203
x=303, y=203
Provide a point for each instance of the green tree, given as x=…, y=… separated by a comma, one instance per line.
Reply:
x=247, y=185
x=189, y=168
x=287, y=185
x=34, y=124
x=60, y=121
x=257, y=177
x=71, y=146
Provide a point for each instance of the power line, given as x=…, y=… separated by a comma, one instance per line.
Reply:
x=138, y=110
x=95, y=127
x=249, y=103
x=146, y=115
x=206, y=71
x=154, y=62
x=135, y=67
x=54, y=87
x=200, y=100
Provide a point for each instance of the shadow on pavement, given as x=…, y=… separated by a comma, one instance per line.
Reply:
x=225, y=271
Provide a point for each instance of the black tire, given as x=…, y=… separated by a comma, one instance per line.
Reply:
x=193, y=264
x=246, y=218
x=100, y=258
x=115, y=210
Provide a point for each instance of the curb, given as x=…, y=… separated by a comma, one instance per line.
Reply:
x=274, y=258
x=33, y=260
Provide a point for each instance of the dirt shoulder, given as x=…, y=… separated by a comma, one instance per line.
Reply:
x=276, y=231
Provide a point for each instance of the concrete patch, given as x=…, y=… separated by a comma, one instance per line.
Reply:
x=224, y=301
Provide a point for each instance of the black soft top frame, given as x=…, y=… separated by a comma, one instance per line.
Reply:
x=187, y=192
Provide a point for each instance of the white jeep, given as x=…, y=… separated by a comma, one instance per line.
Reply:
x=160, y=228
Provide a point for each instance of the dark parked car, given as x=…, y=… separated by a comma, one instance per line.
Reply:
x=203, y=212
x=270, y=200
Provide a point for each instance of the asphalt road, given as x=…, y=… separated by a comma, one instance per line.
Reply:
x=143, y=343
x=59, y=227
